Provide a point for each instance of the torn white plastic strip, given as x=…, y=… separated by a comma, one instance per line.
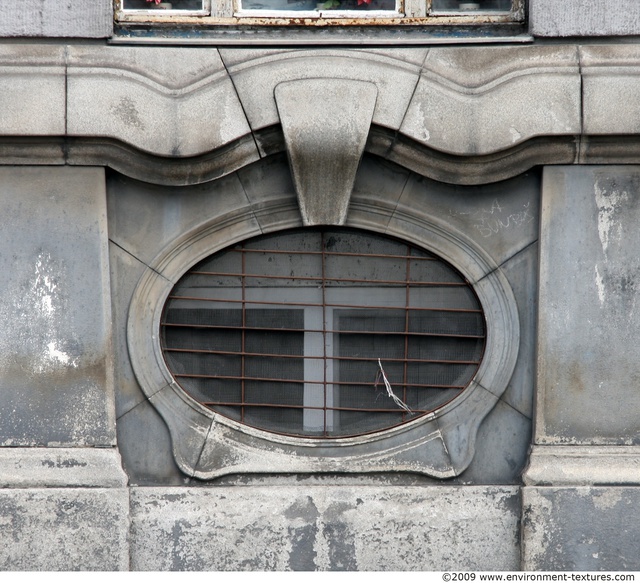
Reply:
x=390, y=392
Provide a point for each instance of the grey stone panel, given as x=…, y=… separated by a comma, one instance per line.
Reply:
x=550, y=18
x=522, y=273
x=589, y=268
x=472, y=102
x=269, y=188
x=377, y=189
x=255, y=78
x=143, y=218
x=611, y=81
x=32, y=89
x=145, y=445
x=167, y=101
x=126, y=271
x=325, y=528
x=51, y=18
x=502, y=447
x=56, y=384
x=580, y=529
x=64, y=529
x=502, y=218
x=325, y=145
x=40, y=467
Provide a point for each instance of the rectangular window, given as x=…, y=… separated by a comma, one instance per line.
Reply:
x=159, y=7
x=264, y=12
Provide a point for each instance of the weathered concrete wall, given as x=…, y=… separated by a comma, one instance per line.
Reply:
x=589, y=294
x=550, y=18
x=586, y=430
x=51, y=18
x=581, y=529
x=325, y=528
x=56, y=384
x=64, y=529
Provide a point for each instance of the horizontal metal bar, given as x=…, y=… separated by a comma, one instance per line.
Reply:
x=308, y=408
x=332, y=358
x=326, y=331
x=338, y=254
x=320, y=383
x=245, y=303
x=328, y=280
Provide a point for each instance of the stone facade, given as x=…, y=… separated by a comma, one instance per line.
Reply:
x=123, y=164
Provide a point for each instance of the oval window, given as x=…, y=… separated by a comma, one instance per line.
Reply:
x=323, y=332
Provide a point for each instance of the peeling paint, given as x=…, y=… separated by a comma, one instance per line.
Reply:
x=608, y=204
x=606, y=499
x=600, y=287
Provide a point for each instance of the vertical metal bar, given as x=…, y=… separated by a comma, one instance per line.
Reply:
x=324, y=334
x=244, y=331
x=405, y=371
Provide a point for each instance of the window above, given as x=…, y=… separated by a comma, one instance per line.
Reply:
x=321, y=12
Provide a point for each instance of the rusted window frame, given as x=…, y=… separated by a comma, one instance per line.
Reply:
x=225, y=12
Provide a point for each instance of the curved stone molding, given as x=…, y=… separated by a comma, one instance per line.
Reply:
x=184, y=116
x=324, y=142
x=471, y=102
x=169, y=102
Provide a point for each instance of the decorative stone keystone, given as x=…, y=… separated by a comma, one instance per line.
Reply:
x=325, y=124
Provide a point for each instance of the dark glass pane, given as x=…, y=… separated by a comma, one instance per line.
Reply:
x=168, y=5
x=314, y=5
x=475, y=6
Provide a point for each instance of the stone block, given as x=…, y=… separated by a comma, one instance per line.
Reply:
x=163, y=100
x=589, y=291
x=269, y=188
x=550, y=18
x=501, y=218
x=32, y=91
x=256, y=74
x=56, y=379
x=325, y=146
x=144, y=219
x=580, y=529
x=64, y=529
x=126, y=270
x=611, y=81
x=502, y=447
x=145, y=444
x=479, y=102
x=76, y=467
x=575, y=465
x=522, y=272
x=370, y=528
x=50, y=18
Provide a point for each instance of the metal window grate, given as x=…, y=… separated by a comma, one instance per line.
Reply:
x=295, y=332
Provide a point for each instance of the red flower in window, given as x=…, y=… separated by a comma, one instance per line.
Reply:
x=360, y=2
x=158, y=1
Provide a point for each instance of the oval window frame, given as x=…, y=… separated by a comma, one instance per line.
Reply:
x=207, y=445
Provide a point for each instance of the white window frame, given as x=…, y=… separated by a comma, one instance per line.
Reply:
x=230, y=12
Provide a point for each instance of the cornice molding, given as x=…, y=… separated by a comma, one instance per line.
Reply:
x=175, y=116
